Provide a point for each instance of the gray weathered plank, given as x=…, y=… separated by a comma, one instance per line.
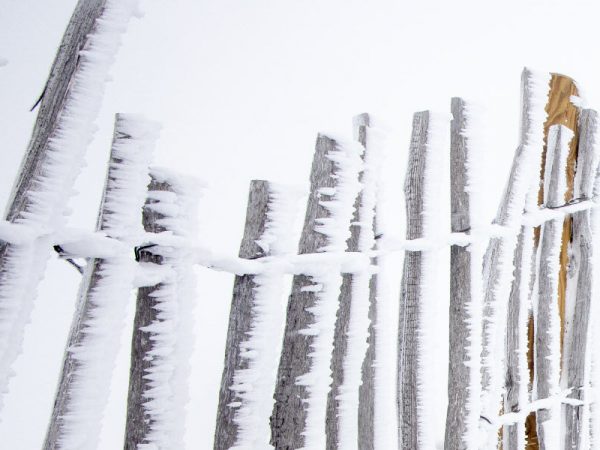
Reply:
x=547, y=323
x=516, y=380
x=97, y=271
x=289, y=412
x=459, y=376
x=512, y=202
x=578, y=338
x=240, y=315
x=366, y=392
x=340, y=342
x=138, y=424
x=410, y=296
x=36, y=163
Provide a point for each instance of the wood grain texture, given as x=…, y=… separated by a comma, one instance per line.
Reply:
x=340, y=343
x=138, y=424
x=84, y=313
x=546, y=374
x=560, y=111
x=492, y=269
x=459, y=377
x=240, y=314
x=36, y=159
x=575, y=370
x=366, y=392
x=410, y=295
x=289, y=412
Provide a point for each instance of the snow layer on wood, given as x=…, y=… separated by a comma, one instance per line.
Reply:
x=559, y=138
x=358, y=325
x=101, y=332
x=523, y=182
x=428, y=402
x=593, y=355
x=336, y=227
x=63, y=160
x=262, y=348
x=172, y=334
x=474, y=186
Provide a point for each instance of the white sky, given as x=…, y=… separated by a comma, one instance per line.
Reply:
x=241, y=88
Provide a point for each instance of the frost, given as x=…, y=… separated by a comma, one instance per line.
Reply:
x=53, y=187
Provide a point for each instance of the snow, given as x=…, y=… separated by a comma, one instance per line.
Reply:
x=172, y=333
x=358, y=324
x=262, y=348
x=532, y=140
x=336, y=227
x=104, y=301
x=474, y=177
x=63, y=160
x=428, y=386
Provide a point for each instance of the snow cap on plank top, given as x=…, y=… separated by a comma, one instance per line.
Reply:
x=133, y=145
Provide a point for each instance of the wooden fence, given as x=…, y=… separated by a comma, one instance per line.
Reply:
x=305, y=370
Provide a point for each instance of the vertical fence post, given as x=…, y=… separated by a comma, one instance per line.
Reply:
x=240, y=315
x=93, y=340
x=290, y=410
x=162, y=327
x=463, y=381
x=62, y=130
x=418, y=294
x=366, y=393
x=499, y=257
x=304, y=376
x=576, y=367
x=352, y=314
x=547, y=319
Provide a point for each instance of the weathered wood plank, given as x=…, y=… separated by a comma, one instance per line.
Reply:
x=83, y=369
x=459, y=375
x=560, y=111
x=495, y=270
x=240, y=315
x=342, y=326
x=410, y=296
x=366, y=392
x=138, y=423
x=36, y=163
x=547, y=319
x=576, y=371
x=290, y=410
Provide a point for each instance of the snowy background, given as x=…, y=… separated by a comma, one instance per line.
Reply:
x=241, y=89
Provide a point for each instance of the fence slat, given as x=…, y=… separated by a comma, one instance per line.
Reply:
x=45, y=179
x=93, y=340
x=499, y=257
x=340, y=409
x=289, y=412
x=138, y=424
x=461, y=416
x=240, y=315
x=163, y=321
x=547, y=319
x=366, y=393
x=577, y=374
x=517, y=372
x=408, y=345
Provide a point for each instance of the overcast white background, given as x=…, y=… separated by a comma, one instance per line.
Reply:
x=241, y=88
